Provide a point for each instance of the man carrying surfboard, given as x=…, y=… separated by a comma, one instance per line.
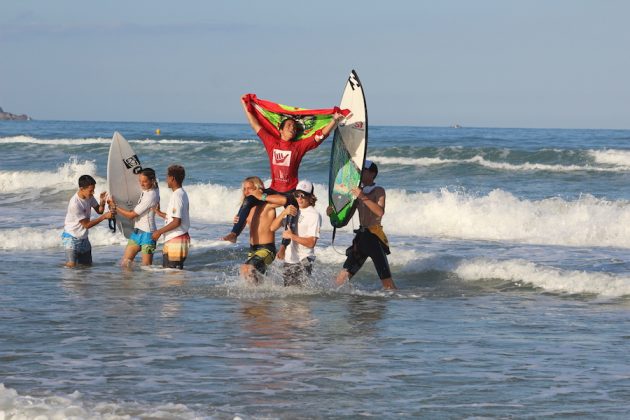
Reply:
x=75, y=230
x=177, y=221
x=370, y=240
x=284, y=149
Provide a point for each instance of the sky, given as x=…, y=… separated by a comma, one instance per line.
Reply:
x=476, y=63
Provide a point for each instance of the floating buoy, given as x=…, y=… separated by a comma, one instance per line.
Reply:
x=157, y=131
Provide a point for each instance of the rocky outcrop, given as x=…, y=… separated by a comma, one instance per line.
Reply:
x=9, y=116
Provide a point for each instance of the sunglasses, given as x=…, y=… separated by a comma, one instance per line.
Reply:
x=300, y=195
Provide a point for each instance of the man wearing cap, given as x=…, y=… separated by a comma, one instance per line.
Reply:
x=300, y=254
x=370, y=240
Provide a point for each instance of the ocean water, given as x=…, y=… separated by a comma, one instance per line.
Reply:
x=510, y=248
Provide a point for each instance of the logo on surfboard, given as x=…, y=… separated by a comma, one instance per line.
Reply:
x=133, y=162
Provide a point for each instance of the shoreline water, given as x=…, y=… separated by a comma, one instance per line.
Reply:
x=509, y=247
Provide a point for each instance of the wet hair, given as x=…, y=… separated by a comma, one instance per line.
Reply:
x=178, y=172
x=150, y=173
x=85, y=181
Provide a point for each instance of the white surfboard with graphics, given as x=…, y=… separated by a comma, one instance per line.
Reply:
x=123, y=167
x=348, y=153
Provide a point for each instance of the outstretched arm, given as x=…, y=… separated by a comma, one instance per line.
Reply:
x=278, y=199
x=129, y=214
x=88, y=224
x=337, y=116
x=253, y=121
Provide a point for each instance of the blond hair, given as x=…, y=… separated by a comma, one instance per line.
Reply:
x=257, y=183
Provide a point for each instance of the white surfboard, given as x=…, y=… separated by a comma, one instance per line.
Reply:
x=348, y=152
x=123, y=167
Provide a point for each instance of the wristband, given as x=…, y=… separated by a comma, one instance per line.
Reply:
x=263, y=197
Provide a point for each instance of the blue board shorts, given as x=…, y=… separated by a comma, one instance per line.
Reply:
x=78, y=251
x=143, y=240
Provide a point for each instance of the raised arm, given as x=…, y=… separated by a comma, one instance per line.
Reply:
x=253, y=121
x=88, y=224
x=101, y=206
x=337, y=116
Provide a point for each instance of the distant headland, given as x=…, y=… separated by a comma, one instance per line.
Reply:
x=9, y=116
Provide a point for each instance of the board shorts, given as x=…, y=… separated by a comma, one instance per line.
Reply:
x=175, y=251
x=78, y=251
x=364, y=245
x=143, y=240
x=296, y=273
x=261, y=256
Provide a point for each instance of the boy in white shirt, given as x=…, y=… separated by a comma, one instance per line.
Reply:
x=300, y=253
x=177, y=223
x=75, y=230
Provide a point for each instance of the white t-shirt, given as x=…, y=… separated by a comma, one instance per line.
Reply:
x=177, y=207
x=78, y=209
x=309, y=223
x=144, y=209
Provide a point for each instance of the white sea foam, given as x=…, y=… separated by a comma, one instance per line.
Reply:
x=497, y=216
x=246, y=141
x=548, y=278
x=165, y=141
x=74, y=406
x=107, y=141
x=29, y=238
x=503, y=166
x=65, y=177
x=501, y=216
x=614, y=157
x=54, y=142
x=420, y=162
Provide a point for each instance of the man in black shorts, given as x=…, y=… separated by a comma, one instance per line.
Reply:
x=370, y=240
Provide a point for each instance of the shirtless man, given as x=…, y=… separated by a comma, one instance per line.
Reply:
x=370, y=240
x=262, y=246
